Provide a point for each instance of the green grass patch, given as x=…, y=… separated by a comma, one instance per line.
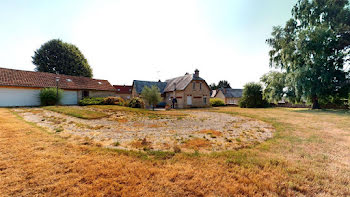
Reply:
x=76, y=112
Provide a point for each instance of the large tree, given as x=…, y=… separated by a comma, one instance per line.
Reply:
x=59, y=57
x=313, y=48
x=221, y=84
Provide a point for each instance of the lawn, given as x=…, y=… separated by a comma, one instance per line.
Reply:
x=308, y=156
x=76, y=112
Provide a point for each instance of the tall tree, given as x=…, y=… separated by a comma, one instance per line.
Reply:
x=221, y=84
x=56, y=56
x=313, y=48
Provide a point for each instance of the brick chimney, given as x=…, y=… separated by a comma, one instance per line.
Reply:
x=196, y=73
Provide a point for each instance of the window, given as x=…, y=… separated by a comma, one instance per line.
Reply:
x=85, y=93
x=194, y=85
x=204, y=99
x=99, y=82
x=69, y=80
x=200, y=86
x=118, y=90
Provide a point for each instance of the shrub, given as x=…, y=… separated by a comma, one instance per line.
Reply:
x=48, y=96
x=136, y=102
x=151, y=95
x=114, y=101
x=92, y=101
x=252, y=96
x=215, y=102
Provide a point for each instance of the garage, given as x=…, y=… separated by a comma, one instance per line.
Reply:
x=70, y=97
x=10, y=97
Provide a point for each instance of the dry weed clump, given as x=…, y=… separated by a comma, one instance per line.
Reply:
x=211, y=132
x=197, y=143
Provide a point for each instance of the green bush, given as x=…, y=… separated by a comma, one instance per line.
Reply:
x=215, y=102
x=48, y=96
x=136, y=102
x=114, y=101
x=252, y=96
x=92, y=101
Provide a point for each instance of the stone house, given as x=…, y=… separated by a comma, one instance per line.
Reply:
x=189, y=90
x=229, y=95
x=123, y=91
x=22, y=88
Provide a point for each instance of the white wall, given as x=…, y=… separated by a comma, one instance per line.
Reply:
x=11, y=97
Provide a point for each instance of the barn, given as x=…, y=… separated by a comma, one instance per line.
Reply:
x=22, y=88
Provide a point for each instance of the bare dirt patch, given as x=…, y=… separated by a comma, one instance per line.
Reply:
x=199, y=130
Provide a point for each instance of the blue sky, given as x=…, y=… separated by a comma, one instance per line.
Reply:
x=148, y=40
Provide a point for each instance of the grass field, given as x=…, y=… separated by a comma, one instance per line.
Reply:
x=309, y=155
x=75, y=112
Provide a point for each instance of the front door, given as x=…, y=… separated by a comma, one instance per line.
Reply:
x=189, y=100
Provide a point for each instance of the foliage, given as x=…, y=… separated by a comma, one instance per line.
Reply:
x=252, y=96
x=114, y=101
x=151, y=95
x=64, y=58
x=215, y=102
x=136, y=102
x=48, y=96
x=76, y=112
x=312, y=50
x=221, y=84
x=92, y=101
x=274, y=86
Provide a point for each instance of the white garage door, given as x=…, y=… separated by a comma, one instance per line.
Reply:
x=19, y=97
x=70, y=97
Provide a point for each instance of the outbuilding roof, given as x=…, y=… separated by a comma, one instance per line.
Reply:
x=232, y=93
x=139, y=85
x=123, y=89
x=20, y=78
x=180, y=83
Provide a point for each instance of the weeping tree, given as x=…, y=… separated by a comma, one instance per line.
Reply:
x=275, y=83
x=60, y=57
x=312, y=49
x=151, y=95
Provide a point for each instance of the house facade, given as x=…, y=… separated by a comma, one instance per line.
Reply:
x=229, y=95
x=123, y=91
x=22, y=88
x=189, y=90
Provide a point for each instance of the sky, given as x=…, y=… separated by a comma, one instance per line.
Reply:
x=126, y=40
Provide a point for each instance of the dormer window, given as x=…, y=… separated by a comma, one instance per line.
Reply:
x=69, y=80
x=118, y=90
x=100, y=83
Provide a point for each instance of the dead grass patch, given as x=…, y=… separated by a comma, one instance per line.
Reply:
x=211, y=132
x=76, y=112
x=197, y=143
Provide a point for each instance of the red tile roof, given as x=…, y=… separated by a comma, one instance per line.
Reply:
x=123, y=89
x=20, y=78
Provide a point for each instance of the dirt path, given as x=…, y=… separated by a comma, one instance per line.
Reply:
x=199, y=130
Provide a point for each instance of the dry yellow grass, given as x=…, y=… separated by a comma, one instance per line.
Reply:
x=309, y=156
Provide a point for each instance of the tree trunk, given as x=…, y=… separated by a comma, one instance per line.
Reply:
x=315, y=104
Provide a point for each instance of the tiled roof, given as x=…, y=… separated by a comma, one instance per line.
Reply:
x=232, y=93
x=20, y=78
x=139, y=85
x=180, y=83
x=123, y=89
